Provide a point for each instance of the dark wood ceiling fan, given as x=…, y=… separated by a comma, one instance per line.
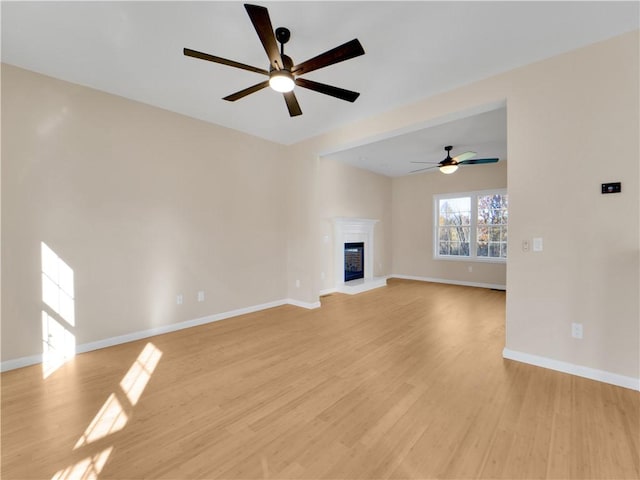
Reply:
x=283, y=73
x=450, y=165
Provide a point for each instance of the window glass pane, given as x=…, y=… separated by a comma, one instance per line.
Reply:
x=455, y=211
x=483, y=234
x=454, y=220
x=491, y=239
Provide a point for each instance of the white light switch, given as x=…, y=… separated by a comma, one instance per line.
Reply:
x=537, y=244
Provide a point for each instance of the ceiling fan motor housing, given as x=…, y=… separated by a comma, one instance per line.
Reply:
x=287, y=61
x=448, y=160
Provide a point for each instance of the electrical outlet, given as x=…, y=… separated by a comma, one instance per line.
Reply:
x=201, y=296
x=297, y=283
x=576, y=330
x=525, y=245
x=179, y=299
x=470, y=268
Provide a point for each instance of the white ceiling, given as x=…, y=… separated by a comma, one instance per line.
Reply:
x=483, y=133
x=413, y=50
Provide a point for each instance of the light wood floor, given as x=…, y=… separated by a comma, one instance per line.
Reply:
x=401, y=382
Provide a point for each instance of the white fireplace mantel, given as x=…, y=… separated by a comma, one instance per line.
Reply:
x=352, y=230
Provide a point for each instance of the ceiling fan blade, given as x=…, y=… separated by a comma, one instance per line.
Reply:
x=335, y=55
x=292, y=104
x=478, y=161
x=262, y=23
x=243, y=93
x=422, y=169
x=432, y=163
x=340, y=93
x=212, y=58
x=464, y=156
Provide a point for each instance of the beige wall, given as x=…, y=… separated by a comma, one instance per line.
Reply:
x=412, y=215
x=141, y=203
x=574, y=124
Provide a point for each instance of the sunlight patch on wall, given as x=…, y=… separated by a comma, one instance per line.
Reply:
x=58, y=344
x=58, y=313
x=86, y=469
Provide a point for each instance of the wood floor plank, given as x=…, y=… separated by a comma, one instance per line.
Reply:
x=407, y=381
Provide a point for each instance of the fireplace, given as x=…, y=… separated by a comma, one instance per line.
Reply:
x=353, y=261
x=353, y=255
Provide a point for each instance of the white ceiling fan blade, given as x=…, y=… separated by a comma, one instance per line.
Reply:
x=464, y=156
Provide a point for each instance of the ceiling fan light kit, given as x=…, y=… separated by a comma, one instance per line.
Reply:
x=281, y=81
x=450, y=165
x=283, y=74
x=448, y=169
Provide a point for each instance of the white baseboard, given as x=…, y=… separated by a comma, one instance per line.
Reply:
x=130, y=337
x=578, y=370
x=452, y=282
x=307, y=305
x=20, y=362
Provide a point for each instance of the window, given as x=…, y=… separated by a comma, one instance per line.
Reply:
x=471, y=226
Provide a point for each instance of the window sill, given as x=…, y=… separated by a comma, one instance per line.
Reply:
x=470, y=259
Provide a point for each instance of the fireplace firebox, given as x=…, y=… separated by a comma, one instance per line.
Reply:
x=353, y=261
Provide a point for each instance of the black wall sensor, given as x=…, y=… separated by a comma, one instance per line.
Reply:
x=615, y=187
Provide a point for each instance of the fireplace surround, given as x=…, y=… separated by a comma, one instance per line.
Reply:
x=354, y=230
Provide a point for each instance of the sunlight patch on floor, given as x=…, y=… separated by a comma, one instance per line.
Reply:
x=113, y=417
x=136, y=379
x=86, y=469
x=110, y=419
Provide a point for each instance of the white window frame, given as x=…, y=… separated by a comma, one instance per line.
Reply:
x=473, y=234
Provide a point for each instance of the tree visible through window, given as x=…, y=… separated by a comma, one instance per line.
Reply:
x=454, y=226
x=471, y=225
x=492, y=226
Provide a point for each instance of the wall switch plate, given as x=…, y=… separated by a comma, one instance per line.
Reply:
x=179, y=299
x=576, y=330
x=201, y=296
x=537, y=244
